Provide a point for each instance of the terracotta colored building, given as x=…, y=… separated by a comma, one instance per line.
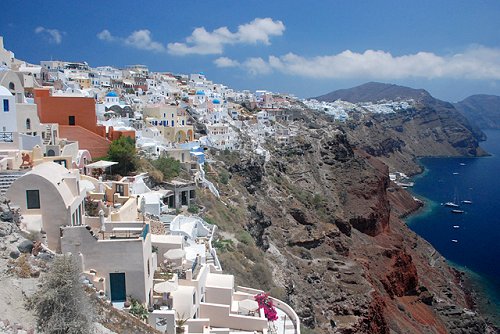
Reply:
x=66, y=110
x=77, y=121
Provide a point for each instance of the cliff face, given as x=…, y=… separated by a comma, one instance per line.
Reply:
x=430, y=127
x=482, y=110
x=327, y=220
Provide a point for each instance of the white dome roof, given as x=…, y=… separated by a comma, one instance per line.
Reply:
x=4, y=91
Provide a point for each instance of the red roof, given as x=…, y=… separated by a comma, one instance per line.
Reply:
x=87, y=140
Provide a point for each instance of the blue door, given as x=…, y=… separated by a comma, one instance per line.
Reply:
x=117, y=284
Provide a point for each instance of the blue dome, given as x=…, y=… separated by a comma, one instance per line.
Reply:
x=200, y=92
x=111, y=94
x=216, y=101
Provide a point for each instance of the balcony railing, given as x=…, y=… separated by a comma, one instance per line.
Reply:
x=7, y=137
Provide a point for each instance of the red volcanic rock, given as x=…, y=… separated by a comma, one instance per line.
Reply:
x=402, y=278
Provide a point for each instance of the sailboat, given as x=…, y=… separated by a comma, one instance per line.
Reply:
x=454, y=203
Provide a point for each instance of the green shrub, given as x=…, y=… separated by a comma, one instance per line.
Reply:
x=245, y=238
x=224, y=177
x=193, y=208
x=138, y=310
x=168, y=166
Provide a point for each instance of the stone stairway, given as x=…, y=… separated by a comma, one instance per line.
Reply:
x=7, y=178
x=48, y=135
x=94, y=280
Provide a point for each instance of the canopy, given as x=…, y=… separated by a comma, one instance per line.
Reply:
x=101, y=164
x=247, y=305
x=174, y=254
x=165, y=287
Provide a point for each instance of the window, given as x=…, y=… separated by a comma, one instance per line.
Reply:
x=6, y=105
x=71, y=120
x=194, y=298
x=12, y=86
x=28, y=124
x=61, y=162
x=33, y=199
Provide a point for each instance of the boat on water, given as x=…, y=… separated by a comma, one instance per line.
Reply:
x=457, y=211
x=451, y=205
x=456, y=173
x=466, y=201
x=454, y=240
x=456, y=226
x=462, y=164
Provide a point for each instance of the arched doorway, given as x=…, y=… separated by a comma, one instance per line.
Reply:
x=180, y=137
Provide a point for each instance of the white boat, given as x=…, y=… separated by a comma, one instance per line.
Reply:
x=466, y=201
x=456, y=173
x=454, y=240
x=451, y=205
x=456, y=226
x=462, y=164
x=457, y=211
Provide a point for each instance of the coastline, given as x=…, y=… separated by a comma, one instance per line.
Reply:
x=475, y=286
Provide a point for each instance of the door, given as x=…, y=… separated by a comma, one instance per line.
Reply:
x=71, y=120
x=117, y=284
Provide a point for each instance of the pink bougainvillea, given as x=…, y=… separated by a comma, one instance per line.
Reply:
x=266, y=303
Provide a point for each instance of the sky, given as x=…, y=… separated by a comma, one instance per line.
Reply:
x=308, y=48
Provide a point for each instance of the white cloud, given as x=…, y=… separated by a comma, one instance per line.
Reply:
x=53, y=35
x=139, y=39
x=105, y=35
x=203, y=42
x=476, y=62
x=257, y=66
x=226, y=62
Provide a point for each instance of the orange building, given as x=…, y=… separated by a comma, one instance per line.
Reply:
x=77, y=121
x=66, y=110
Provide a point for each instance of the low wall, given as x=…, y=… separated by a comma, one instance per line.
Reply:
x=220, y=316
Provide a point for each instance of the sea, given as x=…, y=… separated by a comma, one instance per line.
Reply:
x=470, y=241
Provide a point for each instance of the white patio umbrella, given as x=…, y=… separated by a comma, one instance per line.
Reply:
x=87, y=185
x=174, y=254
x=247, y=305
x=101, y=164
x=165, y=287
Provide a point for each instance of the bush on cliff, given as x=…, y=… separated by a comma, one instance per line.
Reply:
x=60, y=305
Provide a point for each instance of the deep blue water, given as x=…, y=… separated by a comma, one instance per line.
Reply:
x=478, y=235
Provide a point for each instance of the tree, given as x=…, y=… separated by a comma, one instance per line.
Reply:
x=169, y=167
x=123, y=151
x=60, y=304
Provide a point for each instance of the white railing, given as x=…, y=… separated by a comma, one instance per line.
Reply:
x=287, y=309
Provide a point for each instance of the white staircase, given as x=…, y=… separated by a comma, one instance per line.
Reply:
x=7, y=178
x=48, y=135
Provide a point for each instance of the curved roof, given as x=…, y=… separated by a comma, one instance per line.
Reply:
x=55, y=174
x=4, y=91
x=200, y=92
x=215, y=101
x=111, y=94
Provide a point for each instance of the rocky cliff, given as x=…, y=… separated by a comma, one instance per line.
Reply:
x=325, y=225
x=482, y=110
x=429, y=127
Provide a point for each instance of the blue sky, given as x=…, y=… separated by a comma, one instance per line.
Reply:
x=451, y=48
